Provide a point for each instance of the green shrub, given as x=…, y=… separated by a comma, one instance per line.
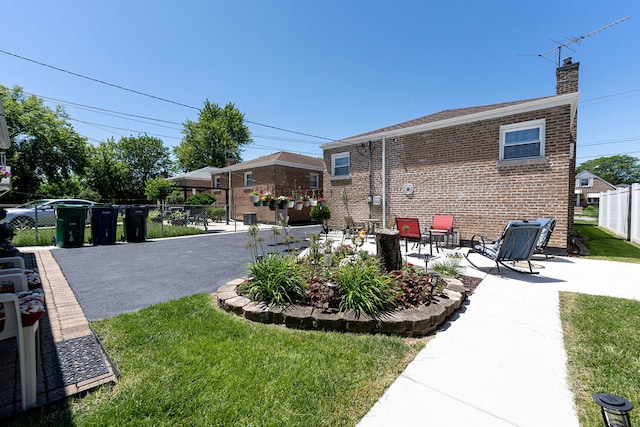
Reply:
x=364, y=287
x=277, y=279
x=201, y=199
x=449, y=267
x=217, y=214
x=591, y=211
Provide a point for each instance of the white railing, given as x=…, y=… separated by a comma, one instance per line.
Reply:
x=619, y=212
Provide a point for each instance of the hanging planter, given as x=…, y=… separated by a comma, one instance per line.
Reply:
x=254, y=198
x=291, y=203
x=305, y=203
x=258, y=203
x=273, y=204
x=298, y=205
x=313, y=202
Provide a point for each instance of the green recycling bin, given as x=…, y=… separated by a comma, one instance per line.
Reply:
x=70, y=223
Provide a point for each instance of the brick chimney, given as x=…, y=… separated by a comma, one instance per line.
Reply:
x=231, y=161
x=567, y=77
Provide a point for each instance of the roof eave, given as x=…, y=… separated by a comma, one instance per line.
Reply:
x=537, y=104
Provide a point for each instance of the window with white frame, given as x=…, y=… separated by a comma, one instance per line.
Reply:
x=340, y=165
x=217, y=181
x=522, y=140
x=248, y=179
x=314, y=181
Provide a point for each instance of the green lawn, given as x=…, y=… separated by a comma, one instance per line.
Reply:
x=605, y=245
x=186, y=362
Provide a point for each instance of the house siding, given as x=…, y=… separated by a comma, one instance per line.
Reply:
x=279, y=180
x=455, y=170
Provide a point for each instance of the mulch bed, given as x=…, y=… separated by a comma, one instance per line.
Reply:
x=470, y=283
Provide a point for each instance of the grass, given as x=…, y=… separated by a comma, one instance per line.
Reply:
x=603, y=348
x=605, y=245
x=186, y=362
x=47, y=235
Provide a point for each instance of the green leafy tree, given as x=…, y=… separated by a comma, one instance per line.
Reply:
x=119, y=170
x=219, y=134
x=45, y=150
x=159, y=189
x=618, y=169
x=107, y=172
x=146, y=157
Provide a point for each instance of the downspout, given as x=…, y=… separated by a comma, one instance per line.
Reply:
x=370, y=180
x=384, y=185
x=230, y=198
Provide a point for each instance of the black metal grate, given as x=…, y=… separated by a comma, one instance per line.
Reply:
x=80, y=359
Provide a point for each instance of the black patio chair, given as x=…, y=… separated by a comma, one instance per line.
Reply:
x=517, y=244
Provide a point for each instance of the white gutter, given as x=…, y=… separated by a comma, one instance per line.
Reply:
x=384, y=185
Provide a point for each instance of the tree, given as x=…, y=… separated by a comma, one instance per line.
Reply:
x=219, y=134
x=119, y=170
x=619, y=169
x=159, y=189
x=45, y=149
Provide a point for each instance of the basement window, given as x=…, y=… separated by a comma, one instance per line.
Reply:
x=340, y=165
x=522, y=140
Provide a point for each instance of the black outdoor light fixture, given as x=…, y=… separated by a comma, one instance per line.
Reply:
x=615, y=410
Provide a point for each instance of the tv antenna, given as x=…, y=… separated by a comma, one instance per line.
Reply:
x=577, y=40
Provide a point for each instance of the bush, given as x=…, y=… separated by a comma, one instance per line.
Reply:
x=591, y=211
x=201, y=199
x=277, y=279
x=217, y=214
x=364, y=287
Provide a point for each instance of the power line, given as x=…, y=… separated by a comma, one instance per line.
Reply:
x=137, y=92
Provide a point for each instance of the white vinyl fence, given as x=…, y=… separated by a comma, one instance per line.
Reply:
x=619, y=212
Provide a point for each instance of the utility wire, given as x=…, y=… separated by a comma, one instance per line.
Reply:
x=137, y=92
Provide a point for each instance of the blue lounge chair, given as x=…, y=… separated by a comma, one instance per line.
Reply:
x=518, y=242
x=547, y=224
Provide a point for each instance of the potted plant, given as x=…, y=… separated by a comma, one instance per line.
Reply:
x=298, y=205
x=266, y=198
x=282, y=202
x=254, y=196
x=322, y=214
x=322, y=202
x=291, y=202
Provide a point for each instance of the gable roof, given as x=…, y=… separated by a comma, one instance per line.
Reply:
x=459, y=116
x=585, y=174
x=282, y=158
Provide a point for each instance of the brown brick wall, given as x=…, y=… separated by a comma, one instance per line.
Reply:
x=455, y=171
x=278, y=180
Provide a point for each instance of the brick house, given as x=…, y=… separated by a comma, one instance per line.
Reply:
x=280, y=173
x=588, y=188
x=484, y=165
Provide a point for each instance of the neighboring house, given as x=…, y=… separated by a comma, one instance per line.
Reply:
x=588, y=188
x=484, y=165
x=197, y=181
x=281, y=174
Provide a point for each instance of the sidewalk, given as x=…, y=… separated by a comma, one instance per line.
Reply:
x=502, y=362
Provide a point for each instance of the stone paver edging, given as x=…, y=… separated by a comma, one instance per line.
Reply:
x=412, y=322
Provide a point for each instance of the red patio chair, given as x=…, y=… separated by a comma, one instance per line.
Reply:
x=409, y=230
x=442, y=227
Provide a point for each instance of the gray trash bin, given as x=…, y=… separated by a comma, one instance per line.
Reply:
x=250, y=218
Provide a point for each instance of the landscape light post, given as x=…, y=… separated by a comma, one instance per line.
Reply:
x=615, y=409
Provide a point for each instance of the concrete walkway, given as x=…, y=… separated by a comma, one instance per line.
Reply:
x=502, y=362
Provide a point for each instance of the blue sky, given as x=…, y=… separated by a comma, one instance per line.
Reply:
x=329, y=69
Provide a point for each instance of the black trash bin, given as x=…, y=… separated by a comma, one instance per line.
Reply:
x=70, y=223
x=135, y=223
x=250, y=218
x=104, y=224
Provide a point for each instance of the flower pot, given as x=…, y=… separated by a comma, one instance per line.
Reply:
x=298, y=206
x=322, y=203
x=265, y=202
x=273, y=204
x=305, y=203
x=313, y=202
x=290, y=204
x=258, y=203
x=254, y=198
x=282, y=205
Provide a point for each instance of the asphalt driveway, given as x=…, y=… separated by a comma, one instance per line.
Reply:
x=109, y=280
